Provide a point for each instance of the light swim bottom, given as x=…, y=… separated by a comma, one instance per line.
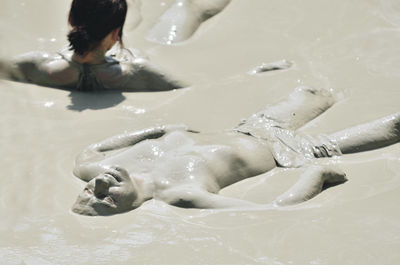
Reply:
x=290, y=149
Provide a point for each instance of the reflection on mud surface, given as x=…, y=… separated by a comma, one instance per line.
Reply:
x=350, y=46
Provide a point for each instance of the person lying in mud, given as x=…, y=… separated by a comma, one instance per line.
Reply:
x=97, y=25
x=183, y=18
x=187, y=168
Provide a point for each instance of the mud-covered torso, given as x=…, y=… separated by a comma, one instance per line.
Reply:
x=210, y=161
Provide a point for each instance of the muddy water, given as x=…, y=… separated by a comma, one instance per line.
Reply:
x=351, y=46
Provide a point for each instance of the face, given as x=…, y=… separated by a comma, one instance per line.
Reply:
x=109, y=193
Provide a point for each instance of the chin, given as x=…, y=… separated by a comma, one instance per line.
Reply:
x=82, y=210
x=98, y=210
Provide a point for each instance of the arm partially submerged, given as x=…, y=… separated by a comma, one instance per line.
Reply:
x=85, y=166
x=194, y=197
x=39, y=68
x=369, y=136
x=96, y=151
x=309, y=185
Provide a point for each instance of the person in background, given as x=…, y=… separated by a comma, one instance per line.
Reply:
x=96, y=26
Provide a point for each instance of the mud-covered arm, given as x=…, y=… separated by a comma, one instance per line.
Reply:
x=96, y=151
x=145, y=76
x=24, y=68
x=85, y=164
x=311, y=182
x=193, y=197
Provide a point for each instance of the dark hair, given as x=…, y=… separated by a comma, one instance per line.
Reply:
x=92, y=21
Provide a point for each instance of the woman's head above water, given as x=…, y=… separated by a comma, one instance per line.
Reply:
x=95, y=23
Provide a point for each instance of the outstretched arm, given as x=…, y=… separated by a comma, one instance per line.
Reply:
x=310, y=184
x=96, y=151
x=369, y=136
x=85, y=166
x=193, y=197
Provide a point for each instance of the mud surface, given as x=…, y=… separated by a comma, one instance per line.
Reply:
x=351, y=46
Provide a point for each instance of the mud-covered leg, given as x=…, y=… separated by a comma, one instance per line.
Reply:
x=310, y=184
x=183, y=18
x=300, y=107
x=369, y=136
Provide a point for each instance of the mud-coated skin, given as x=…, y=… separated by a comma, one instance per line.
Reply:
x=122, y=71
x=183, y=18
x=187, y=168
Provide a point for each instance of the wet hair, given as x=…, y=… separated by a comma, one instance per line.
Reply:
x=92, y=21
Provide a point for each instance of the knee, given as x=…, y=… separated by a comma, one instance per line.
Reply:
x=393, y=123
x=397, y=123
x=396, y=118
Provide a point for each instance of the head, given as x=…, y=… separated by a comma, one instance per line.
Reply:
x=109, y=193
x=94, y=20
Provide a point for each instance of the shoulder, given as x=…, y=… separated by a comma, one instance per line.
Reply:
x=58, y=67
x=129, y=70
x=121, y=74
x=141, y=74
x=44, y=68
x=110, y=74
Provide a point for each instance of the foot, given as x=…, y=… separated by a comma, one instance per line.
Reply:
x=332, y=176
x=314, y=180
x=396, y=119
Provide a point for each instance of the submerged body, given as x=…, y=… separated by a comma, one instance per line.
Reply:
x=121, y=71
x=187, y=168
x=209, y=160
